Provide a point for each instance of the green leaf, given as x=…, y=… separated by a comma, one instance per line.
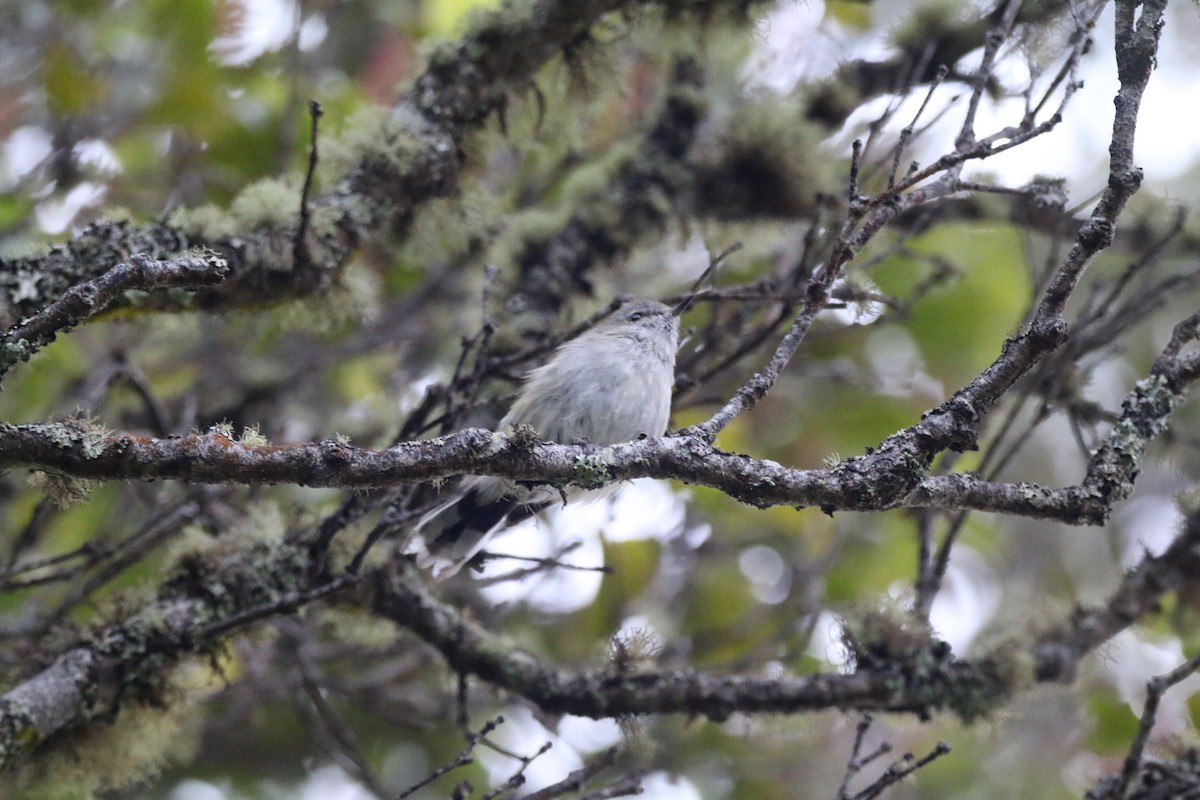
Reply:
x=958, y=325
x=70, y=86
x=1114, y=723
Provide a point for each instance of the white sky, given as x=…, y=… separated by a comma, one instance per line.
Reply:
x=796, y=41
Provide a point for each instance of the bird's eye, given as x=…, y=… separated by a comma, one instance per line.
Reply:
x=635, y=316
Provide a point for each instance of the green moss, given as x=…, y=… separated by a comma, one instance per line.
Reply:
x=268, y=203
x=359, y=138
x=531, y=228
x=207, y=222
x=447, y=229
x=130, y=749
x=522, y=437
x=767, y=162
x=591, y=472
x=439, y=52
x=592, y=181
x=252, y=437
x=933, y=20
x=633, y=650
x=920, y=670
x=1012, y=661
x=64, y=490
x=223, y=428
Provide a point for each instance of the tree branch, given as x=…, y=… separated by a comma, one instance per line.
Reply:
x=86, y=300
x=468, y=647
x=418, y=157
x=1140, y=592
x=889, y=478
x=207, y=598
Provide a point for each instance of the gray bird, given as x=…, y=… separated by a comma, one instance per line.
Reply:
x=610, y=384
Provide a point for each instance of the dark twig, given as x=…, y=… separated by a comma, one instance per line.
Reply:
x=625, y=787
x=1140, y=593
x=1156, y=687
x=901, y=769
x=706, y=276
x=462, y=383
x=856, y=151
x=303, y=255
x=517, y=779
x=906, y=133
x=576, y=780
x=117, y=558
x=992, y=42
x=857, y=762
x=14, y=577
x=553, y=561
x=341, y=739
x=284, y=605
x=462, y=715
x=393, y=520
x=130, y=374
x=461, y=760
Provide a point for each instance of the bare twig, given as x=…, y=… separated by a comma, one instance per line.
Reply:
x=303, y=255
x=575, y=781
x=461, y=760
x=517, y=779
x=901, y=769
x=857, y=762
x=325, y=722
x=553, y=561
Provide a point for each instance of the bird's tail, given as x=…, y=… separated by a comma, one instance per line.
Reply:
x=455, y=531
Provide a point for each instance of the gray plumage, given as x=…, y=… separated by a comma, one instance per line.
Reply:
x=610, y=384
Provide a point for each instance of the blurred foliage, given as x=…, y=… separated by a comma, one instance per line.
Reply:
x=186, y=125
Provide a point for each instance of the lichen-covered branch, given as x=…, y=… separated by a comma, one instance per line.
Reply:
x=416, y=158
x=206, y=597
x=86, y=300
x=933, y=680
x=1112, y=468
x=888, y=478
x=900, y=668
x=210, y=595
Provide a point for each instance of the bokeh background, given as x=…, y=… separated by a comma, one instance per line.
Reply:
x=176, y=109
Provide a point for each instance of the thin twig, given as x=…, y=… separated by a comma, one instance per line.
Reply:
x=461, y=760
x=517, y=779
x=576, y=780
x=343, y=742
x=1156, y=687
x=853, y=765
x=901, y=769
x=300, y=244
x=286, y=604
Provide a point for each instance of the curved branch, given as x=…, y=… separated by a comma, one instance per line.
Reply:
x=81, y=302
x=1139, y=594
x=128, y=661
x=211, y=596
x=468, y=647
